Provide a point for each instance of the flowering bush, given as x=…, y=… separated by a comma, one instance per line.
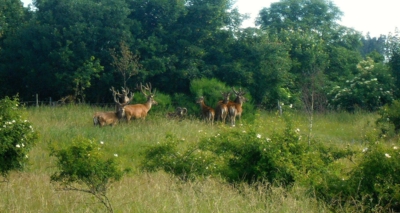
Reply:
x=369, y=89
x=374, y=182
x=85, y=163
x=243, y=154
x=17, y=136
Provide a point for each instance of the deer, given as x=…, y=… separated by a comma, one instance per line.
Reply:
x=137, y=111
x=180, y=112
x=235, y=107
x=111, y=117
x=221, y=110
x=208, y=113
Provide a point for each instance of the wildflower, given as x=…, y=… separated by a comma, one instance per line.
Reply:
x=22, y=145
x=387, y=155
x=258, y=136
x=268, y=139
x=265, y=150
x=18, y=146
x=395, y=147
x=26, y=156
x=115, y=155
x=244, y=131
x=365, y=149
x=13, y=121
x=200, y=130
x=290, y=106
x=297, y=130
x=101, y=142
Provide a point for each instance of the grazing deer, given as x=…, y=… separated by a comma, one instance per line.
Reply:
x=110, y=117
x=180, y=112
x=221, y=110
x=208, y=113
x=235, y=107
x=140, y=110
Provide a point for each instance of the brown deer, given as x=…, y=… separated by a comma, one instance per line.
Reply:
x=180, y=112
x=137, y=111
x=110, y=117
x=221, y=110
x=235, y=107
x=208, y=113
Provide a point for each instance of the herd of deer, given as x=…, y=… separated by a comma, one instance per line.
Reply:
x=225, y=109
x=123, y=110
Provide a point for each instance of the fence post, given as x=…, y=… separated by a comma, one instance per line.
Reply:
x=37, y=100
x=50, y=101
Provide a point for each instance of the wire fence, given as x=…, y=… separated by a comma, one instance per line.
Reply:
x=63, y=102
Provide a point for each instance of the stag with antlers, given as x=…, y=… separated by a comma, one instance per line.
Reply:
x=137, y=111
x=235, y=107
x=207, y=112
x=112, y=118
x=221, y=110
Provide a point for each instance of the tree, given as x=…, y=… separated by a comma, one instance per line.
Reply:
x=393, y=53
x=125, y=63
x=370, y=88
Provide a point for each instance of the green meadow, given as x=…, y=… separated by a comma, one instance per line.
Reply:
x=31, y=190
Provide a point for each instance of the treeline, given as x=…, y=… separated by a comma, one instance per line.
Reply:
x=298, y=53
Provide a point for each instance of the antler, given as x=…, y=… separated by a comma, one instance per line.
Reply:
x=124, y=96
x=148, y=87
x=238, y=93
x=114, y=92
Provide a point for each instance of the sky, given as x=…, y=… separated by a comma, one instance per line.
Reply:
x=374, y=16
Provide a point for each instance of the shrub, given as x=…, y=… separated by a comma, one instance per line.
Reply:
x=85, y=167
x=389, y=118
x=17, y=136
x=377, y=178
x=369, y=89
x=244, y=154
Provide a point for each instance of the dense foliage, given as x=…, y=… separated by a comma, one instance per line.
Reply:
x=17, y=136
x=84, y=166
x=72, y=48
x=285, y=158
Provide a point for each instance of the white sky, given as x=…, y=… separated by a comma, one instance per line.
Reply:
x=374, y=16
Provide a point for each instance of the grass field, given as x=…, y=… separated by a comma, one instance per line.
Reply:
x=31, y=190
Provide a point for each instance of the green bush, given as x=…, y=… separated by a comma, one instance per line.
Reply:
x=17, y=136
x=84, y=166
x=374, y=182
x=389, y=120
x=245, y=154
x=185, y=163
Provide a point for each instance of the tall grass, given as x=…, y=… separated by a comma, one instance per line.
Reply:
x=31, y=190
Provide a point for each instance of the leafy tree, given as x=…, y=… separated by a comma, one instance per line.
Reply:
x=17, y=136
x=304, y=15
x=393, y=53
x=125, y=63
x=369, y=89
x=373, y=45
